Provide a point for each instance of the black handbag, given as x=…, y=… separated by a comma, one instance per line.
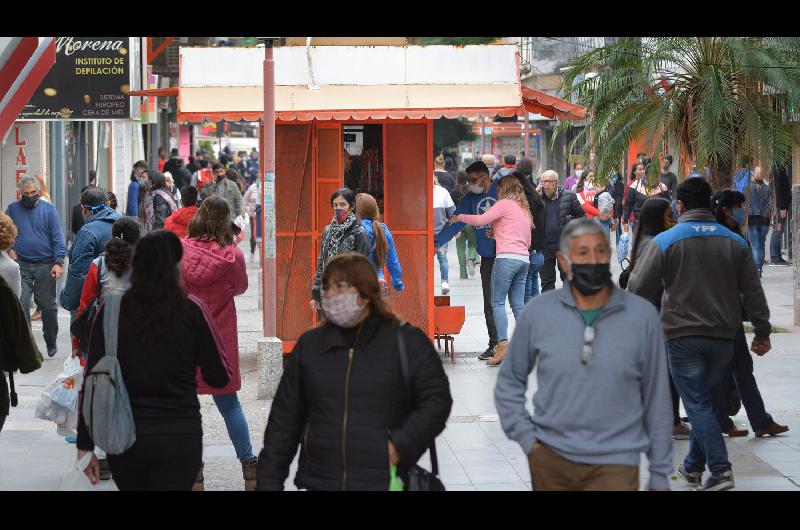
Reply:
x=83, y=324
x=419, y=479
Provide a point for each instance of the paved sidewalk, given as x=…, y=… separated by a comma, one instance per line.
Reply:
x=474, y=453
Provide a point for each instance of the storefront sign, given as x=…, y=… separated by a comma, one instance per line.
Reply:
x=21, y=155
x=90, y=81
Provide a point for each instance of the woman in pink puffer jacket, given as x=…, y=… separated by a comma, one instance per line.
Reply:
x=214, y=270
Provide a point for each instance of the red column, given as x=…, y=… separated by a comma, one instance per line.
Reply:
x=268, y=250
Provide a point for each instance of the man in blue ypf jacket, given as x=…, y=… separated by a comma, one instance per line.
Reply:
x=482, y=195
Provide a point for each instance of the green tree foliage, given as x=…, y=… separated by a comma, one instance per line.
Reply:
x=717, y=99
x=451, y=41
x=447, y=134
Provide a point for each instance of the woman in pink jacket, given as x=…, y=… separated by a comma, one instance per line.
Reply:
x=214, y=270
x=511, y=222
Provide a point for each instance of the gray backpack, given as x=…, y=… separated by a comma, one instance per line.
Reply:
x=106, y=408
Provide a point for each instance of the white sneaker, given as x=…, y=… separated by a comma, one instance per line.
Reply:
x=471, y=268
x=445, y=288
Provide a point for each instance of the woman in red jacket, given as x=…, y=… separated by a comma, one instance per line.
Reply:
x=214, y=271
x=586, y=191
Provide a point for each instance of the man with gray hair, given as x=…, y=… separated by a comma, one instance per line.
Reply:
x=89, y=243
x=560, y=207
x=39, y=249
x=602, y=397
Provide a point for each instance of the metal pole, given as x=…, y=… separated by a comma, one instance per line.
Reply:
x=483, y=135
x=527, y=135
x=268, y=198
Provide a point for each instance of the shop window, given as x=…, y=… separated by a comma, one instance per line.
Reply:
x=363, y=165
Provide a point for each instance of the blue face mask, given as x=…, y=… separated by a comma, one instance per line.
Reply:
x=738, y=215
x=92, y=212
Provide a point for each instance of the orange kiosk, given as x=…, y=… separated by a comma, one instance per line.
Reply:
x=360, y=117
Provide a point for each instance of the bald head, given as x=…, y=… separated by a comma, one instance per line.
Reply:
x=549, y=182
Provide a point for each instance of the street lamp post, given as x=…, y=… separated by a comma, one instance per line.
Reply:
x=270, y=348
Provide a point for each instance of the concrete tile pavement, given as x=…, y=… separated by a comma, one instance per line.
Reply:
x=474, y=453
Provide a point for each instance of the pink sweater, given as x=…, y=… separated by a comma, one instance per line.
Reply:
x=510, y=223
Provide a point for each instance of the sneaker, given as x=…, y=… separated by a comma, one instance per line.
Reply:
x=51, y=352
x=779, y=262
x=681, y=431
x=105, y=470
x=445, y=288
x=487, y=354
x=771, y=430
x=693, y=478
x=249, y=472
x=721, y=482
x=471, y=268
x=71, y=439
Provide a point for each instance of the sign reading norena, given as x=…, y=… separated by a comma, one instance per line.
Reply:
x=90, y=81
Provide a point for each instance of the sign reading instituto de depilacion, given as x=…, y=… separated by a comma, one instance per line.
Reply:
x=89, y=81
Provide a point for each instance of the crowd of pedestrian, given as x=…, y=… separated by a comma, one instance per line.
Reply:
x=364, y=395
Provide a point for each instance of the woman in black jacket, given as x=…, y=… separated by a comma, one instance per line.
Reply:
x=159, y=358
x=163, y=201
x=343, y=234
x=342, y=396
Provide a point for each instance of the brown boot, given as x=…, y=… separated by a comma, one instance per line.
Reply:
x=249, y=468
x=499, y=352
x=198, y=481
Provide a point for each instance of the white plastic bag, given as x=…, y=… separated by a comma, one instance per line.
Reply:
x=65, y=393
x=241, y=221
x=76, y=479
x=622, y=247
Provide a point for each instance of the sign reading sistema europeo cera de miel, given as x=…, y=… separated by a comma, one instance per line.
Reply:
x=89, y=81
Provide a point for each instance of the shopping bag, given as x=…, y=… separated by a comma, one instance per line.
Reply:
x=65, y=393
x=76, y=479
x=241, y=221
x=622, y=247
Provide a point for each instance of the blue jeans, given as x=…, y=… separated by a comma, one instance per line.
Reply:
x=442, y=255
x=699, y=365
x=775, y=246
x=231, y=410
x=532, y=281
x=508, y=279
x=758, y=238
x=740, y=373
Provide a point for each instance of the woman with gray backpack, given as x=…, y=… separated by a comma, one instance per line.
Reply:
x=153, y=432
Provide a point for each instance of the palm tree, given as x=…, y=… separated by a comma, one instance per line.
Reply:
x=717, y=100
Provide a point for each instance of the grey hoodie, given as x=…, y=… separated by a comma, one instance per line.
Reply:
x=608, y=411
x=708, y=273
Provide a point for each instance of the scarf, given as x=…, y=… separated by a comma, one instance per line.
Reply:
x=337, y=233
x=167, y=197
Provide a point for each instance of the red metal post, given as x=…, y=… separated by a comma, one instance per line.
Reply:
x=268, y=249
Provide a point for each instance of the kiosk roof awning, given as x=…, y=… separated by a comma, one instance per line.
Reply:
x=359, y=82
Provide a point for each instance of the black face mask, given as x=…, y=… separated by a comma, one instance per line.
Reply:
x=591, y=278
x=29, y=201
x=220, y=178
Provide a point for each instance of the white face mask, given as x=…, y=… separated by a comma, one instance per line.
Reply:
x=342, y=309
x=579, y=173
x=476, y=188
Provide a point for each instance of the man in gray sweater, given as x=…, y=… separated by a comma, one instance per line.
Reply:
x=708, y=273
x=602, y=393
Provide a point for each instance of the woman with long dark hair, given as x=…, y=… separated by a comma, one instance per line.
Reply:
x=638, y=192
x=343, y=398
x=728, y=206
x=214, y=270
x=343, y=234
x=536, y=259
x=163, y=339
x=163, y=204
x=383, y=251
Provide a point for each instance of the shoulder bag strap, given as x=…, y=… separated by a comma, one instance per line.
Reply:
x=12, y=392
x=401, y=347
x=111, y=323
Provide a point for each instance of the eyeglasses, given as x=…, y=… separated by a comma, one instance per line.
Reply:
x=588, y=338
x=475, y=180
x=338, y=287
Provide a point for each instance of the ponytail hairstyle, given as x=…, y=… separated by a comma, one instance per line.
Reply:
x=119, y=249
x=510, y=187
x=367, y=209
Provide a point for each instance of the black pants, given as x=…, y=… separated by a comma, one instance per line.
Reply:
x=676, y=411
x=486, y=283
x=252, y=235
x=548, y=271
x=158, y=463
x=2, y=421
